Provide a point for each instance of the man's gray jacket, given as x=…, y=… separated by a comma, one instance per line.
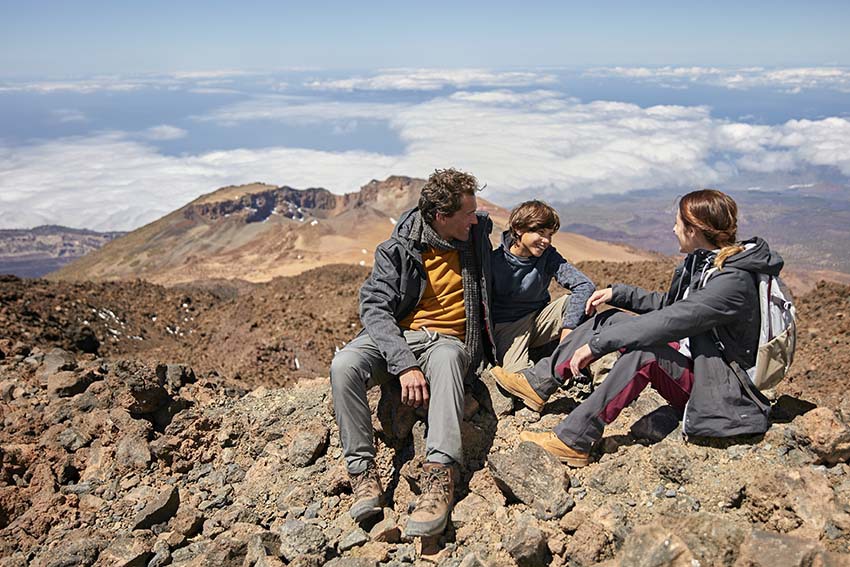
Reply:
x=398, y=282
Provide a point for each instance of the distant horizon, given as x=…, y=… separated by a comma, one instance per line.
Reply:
x=112, y=115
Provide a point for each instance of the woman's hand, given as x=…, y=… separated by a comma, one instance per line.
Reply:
x=599, y=297
x=581, y=358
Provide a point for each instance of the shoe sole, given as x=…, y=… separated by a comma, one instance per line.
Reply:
x=365, y=510
x=425, y=529
x=574, y=462
x=531, y=404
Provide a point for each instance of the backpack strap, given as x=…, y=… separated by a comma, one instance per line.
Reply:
x=752, y=392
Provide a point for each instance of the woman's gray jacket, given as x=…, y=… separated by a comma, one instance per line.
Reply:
x=721, y=403
x=398, y=281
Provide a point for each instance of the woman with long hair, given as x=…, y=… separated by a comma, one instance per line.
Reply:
x=686, y=343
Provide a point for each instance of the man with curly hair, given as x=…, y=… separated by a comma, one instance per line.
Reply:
x=425, y=314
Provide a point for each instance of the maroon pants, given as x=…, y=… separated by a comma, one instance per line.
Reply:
x=665, y=368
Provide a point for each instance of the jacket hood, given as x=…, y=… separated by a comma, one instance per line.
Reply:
x=507, y=239
x=757, y=257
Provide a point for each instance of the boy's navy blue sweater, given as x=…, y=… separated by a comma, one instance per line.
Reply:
x=521, y=285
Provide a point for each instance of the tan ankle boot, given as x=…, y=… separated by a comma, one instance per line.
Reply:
x=434, y=505
x=517, y=384
x=550, y=442
x=368, y=494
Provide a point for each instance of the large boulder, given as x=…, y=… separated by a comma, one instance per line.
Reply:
x=542, y=486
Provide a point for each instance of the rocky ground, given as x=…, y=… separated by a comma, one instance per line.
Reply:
x=172, y=450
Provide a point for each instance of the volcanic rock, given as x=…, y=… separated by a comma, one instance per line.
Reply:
x=543, y=486
x=159, y=509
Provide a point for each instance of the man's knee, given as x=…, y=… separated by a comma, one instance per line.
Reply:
x=449, y=359
x=346, y=367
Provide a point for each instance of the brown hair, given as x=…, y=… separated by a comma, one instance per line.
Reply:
x=532, y=216
x=443, y=192
x=715, y=215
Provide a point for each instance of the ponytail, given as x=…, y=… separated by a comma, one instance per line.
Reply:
x=725, y=253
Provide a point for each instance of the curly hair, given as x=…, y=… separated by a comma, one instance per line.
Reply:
x=443, y=191
x=715, y=215
x=533, y=216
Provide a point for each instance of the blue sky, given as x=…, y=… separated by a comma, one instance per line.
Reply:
x=112, y=115
x=67, y=38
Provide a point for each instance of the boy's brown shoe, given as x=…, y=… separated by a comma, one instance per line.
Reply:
x=434, y=505
x=550, y=442
x=517, y=384
x=368, y=494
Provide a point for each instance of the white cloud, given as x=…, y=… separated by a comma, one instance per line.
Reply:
x=164, y=132
x=520, y=144
x=791, y=80
x=433, y=79
x=66, y=115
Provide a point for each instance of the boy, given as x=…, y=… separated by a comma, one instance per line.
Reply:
x=523, y=266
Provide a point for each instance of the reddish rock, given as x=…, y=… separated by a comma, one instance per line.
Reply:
x=825, y=435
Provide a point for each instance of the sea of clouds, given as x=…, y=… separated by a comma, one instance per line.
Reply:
x=518, y=132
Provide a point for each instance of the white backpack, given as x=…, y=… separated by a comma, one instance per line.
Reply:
x=777, y=334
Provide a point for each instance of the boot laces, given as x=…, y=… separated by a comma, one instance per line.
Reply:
x=437, y=485
x=365, y=483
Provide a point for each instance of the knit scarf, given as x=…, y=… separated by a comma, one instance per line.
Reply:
x=422, y=231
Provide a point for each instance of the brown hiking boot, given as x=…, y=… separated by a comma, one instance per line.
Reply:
x=550, y=442
x=368, y=494
x=517, y=384
x=434, y=505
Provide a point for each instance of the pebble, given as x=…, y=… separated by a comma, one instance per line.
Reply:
x=312, y=511
x=659, y=491
x=670, y=493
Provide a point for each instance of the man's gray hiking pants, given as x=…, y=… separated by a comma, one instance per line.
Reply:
x=360, y=365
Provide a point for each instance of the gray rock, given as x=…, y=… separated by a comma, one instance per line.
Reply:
x=654, y=546
x=351, y=562
x=133, y=452
x=543, y=486
x=352, y=539
x=74, y=552
x=472, y=560
x=299, y=538
x=126, y=551
x=766, y=549
x=175, y=376
x=55, y=361
x=72, y=439
x=527, y=545
x=162, y=554
x=159, y=509
x=307, y=445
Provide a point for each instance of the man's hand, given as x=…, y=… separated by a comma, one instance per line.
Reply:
x=414, y=388
x=564, y=333
x=599, y=297
x=581, y=358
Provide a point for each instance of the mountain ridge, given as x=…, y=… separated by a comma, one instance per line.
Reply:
x=258, y=231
